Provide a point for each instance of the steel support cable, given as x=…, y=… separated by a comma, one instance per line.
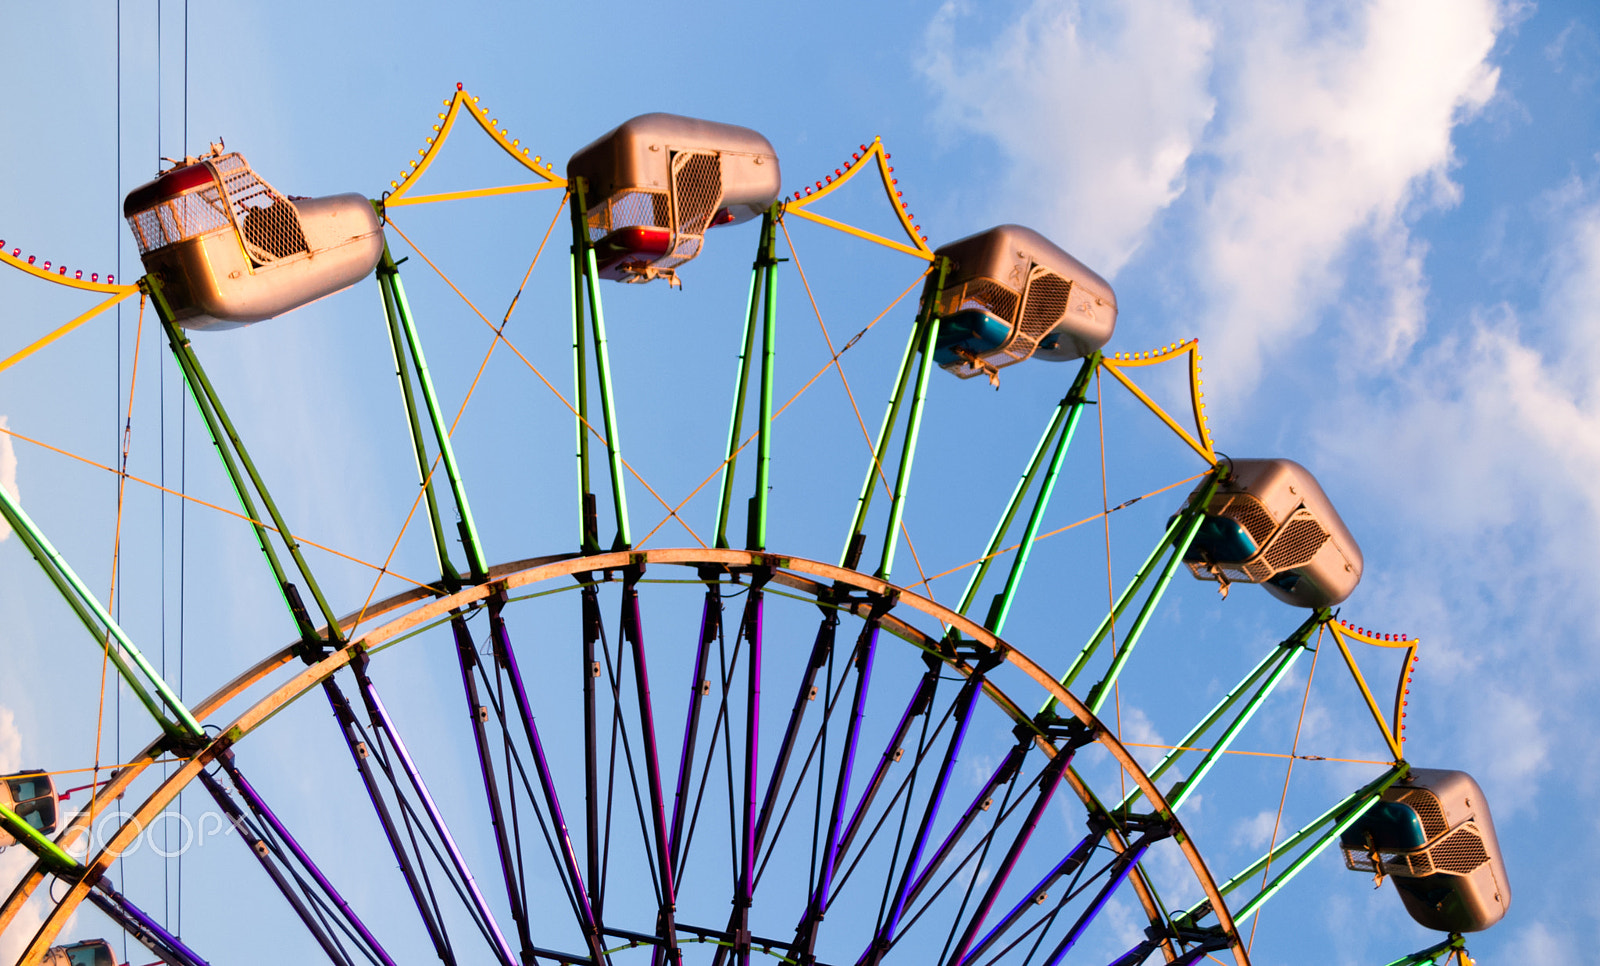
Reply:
x=1111, y=591
x=831, y=363
x=116, y=542
x=1059, y=530
x=834, y=362
x=534, y=369
x=1294, y=747
x=187, y=498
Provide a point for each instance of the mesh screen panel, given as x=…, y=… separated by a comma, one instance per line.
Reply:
x=1296, y=544
x=1428, y=811
x=629, y=209
x=268, y=222
x=1461, y=852
x=1047, y=302
x=178, y=219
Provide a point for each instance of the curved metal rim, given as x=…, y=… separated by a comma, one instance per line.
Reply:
x=796, y=572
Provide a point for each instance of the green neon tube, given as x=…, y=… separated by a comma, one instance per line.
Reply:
x=53, y=856
x=741, y=384
x=187, y=354
x=881, y=449
x=1074, y=402
x=608, y=408
x=769, y=350
x=441, y=432
x=387, y=270
x=55, y=565
x=1099, y=693
x=908, y=451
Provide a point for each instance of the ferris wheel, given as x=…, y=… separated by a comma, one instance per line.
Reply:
x=745, y=733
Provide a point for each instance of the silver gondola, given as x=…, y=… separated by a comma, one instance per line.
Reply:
x=656, y=184
x=1011, y=295
x=1269, y=523
x=32, y=795
x=1431, y=833
x=229, y=249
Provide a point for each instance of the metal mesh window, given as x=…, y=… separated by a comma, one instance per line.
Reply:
x=1298, y=542
x=1428, y=811
x=268, y=222
x=178, y=219
x=696, y=195
x=629, y=209
x=1461, y=852
x=1048, y=294
x=982, y=294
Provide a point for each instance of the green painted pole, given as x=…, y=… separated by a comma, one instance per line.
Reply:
x=395, y=298
x=1430, y=956
x=584, y=252
x=741, y=385
x=908, y=448
x=1284, y=651
x=414, y=427
x=1102, y=689
x=1343, y=815
x=1174, y=528
x=86, y=605
x=769, y=350
x=588, y=538
x=176, y=342
x=191, y=364
x=1187, y=787
x=52, y=856
x=1073, y=403
x=1024, y=483
x=880, y=450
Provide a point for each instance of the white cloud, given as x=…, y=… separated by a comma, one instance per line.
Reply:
x=1331, y=134
x=1098, y=110
x=8, y=472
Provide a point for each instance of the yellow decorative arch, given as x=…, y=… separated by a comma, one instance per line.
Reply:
x=1200, y=441
x=400, y=191
x=800, y=204
x=117, y=292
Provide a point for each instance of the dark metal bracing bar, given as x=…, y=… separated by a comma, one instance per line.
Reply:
x=804, y=944
x=633, y=633
x=477, y=713
x=505, y=655
x=263, y=855
x=382, y=722
x=259, y=807
x=710, y=632
x=143, y=927
x=961, y=709
x=359, y=753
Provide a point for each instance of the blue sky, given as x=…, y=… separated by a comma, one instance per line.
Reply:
x=1382, y=220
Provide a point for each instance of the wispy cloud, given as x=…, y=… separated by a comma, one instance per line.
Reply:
x=1099, y=111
